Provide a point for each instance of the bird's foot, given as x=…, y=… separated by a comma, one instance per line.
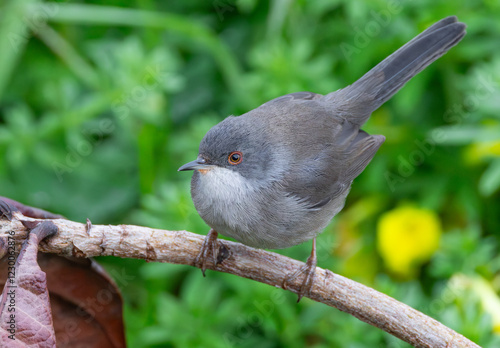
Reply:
x=209, y=245
x=309, y=269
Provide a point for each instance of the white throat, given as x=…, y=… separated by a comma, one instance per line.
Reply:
x=224, y=184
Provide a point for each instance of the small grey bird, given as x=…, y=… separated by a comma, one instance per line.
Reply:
x=275, y=176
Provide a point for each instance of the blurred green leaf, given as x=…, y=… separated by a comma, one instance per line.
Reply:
x=490, y=180
x=14, y=35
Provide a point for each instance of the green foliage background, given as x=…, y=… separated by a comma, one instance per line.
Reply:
x=101, y=102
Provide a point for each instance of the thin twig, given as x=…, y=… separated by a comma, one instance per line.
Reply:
x=181, y=247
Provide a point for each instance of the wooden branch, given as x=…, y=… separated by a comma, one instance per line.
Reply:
x=181, y=247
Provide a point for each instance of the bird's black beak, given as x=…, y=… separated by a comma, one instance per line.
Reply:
x=198, y=163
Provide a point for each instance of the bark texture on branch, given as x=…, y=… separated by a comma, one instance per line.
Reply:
x=181, y=247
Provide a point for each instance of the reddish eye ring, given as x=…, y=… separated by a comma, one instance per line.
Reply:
x=235, y=158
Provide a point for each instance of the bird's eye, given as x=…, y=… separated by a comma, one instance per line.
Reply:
x=235, y=158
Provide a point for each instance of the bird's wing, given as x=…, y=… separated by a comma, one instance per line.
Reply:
x=325, y=151
x=318, y=178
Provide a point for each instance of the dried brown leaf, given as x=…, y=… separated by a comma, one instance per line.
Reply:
x=29, y=211
x=25, y=313
x=85, y=308
x=86, y=303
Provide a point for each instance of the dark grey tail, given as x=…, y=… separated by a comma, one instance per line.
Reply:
x=379, y=84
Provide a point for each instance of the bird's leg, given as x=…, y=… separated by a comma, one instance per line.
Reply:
x=309, y=269
x=209, y=244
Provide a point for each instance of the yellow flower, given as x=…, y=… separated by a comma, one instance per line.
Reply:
x=406, y=237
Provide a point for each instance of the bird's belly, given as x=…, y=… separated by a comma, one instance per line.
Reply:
x=263, y=218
